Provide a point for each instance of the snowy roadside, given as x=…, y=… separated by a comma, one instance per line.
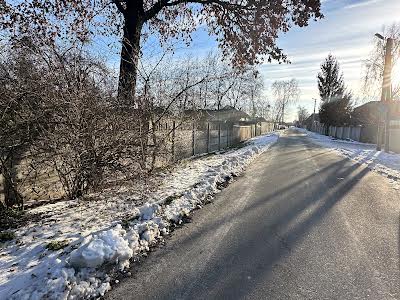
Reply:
x=387, y=164
x=89, y=238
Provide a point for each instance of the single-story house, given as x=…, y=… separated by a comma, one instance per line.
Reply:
x=313, y=117
x=368, y=113
x=226, y=114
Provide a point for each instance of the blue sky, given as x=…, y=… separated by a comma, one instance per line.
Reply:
x=347, y=31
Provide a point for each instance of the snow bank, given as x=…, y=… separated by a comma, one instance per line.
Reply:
x=29, y=271
x=387, y=164
x=110, y=245
x=233, y=165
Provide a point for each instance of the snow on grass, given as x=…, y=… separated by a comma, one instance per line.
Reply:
x=387, y=164
x=90, y=237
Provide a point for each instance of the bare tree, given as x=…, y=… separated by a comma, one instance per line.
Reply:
x=302, y=114
x=246, y=30
x=374, y=65
x=16, y=119
x=286, y=92
x=251, y=90
x=61, y=116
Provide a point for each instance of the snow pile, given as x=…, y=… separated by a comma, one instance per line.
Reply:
x=110, y=245
x=387, y=164
x=109, y=232
x=148, y=211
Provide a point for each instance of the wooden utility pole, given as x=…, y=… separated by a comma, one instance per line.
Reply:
x=386, y=96
x=313, y=116
x=387, y=89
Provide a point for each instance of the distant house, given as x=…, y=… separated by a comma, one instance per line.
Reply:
x=226, y=114
x=308, y=122
x=259, y=119
x=368, y=113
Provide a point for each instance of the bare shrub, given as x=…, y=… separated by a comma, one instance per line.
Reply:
x=59, y=114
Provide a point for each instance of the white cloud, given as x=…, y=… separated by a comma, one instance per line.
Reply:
x=346, y=33
x=360, y=4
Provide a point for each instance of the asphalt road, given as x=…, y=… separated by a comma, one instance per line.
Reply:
x=302, y=223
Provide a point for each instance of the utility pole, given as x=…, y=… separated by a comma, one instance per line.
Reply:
x=313, y=116
x=386, y=96
x=315, y=104
x=387, y=90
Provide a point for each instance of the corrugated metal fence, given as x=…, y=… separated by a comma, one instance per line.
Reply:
x=364, y=133
x=212, y=136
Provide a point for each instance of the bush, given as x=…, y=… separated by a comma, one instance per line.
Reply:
x=6, y=236
x=60, y=117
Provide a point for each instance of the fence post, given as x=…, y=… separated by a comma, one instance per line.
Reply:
x=208, y=137
x=193, y=139
x=219, y=135
x=227, y=136
x=173, y=141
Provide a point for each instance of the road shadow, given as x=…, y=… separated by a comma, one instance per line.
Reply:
x=266, y=240
x=258, y=237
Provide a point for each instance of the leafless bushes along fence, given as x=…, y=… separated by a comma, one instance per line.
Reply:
x=59, y=120
x=64, y=133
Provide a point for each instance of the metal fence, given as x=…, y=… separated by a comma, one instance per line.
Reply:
x=341, y=132
x=365, y=133
x=194, y=139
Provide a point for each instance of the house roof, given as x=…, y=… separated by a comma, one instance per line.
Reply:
x=368, y=113
x=228, y=113
x=259, y=119
x=310, y=118
x=368, y=106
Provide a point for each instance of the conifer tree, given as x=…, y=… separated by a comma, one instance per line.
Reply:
x=336, y=100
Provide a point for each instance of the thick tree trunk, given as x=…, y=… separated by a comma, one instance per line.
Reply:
x=130, y=56
x=130, y=53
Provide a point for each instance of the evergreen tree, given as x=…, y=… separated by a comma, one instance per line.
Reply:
x=336, y=100
x=330, y=80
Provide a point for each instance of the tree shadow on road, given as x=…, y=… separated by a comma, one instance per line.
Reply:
x=285, y=231
x=261, y=235
x=263, y=244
